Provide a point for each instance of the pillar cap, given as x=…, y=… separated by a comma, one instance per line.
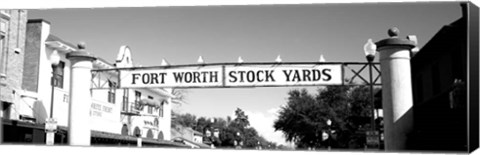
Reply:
x=394, y=40
x=81, y=52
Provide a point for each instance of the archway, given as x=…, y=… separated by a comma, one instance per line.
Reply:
x=137, y=132
x=160, y=135
x=149, y=133
x=232, y=75
x=124, y=129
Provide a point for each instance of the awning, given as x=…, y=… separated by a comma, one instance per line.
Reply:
x=112, y=136
x=98, y=134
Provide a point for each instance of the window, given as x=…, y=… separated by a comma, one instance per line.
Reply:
x=111, y=91
x=150, y=108
x=3, y=28
x=138, y=95
x=125, y=100
x=58, y=75
x=2, y=59
x=65, y=98
x=5, y=111
x=160, y=110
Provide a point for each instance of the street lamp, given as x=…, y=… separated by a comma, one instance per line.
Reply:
x=329, y=123
x=54, y=60
x=212, y=121
x=370, y=49
x=240, y=142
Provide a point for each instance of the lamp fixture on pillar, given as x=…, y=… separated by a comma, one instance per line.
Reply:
x=54, y=61
x=49, y=123
x=370, y=50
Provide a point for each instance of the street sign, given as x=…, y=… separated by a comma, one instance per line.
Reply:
x=324, y=136
x=50, y=138
x=139, y=142
x=50, y=124
x=373, y=138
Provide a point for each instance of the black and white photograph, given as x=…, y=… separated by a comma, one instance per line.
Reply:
x=359, y=77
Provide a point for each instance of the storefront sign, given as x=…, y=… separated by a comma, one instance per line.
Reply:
x=373, y=138
x=99, y=110
x=234, y=76
x=51, y=124
x=148, y=123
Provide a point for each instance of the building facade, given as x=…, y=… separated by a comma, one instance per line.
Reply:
x=116, y=115
x=439, y=80
x=12, y=47
x=145, y=112
x=188, y=136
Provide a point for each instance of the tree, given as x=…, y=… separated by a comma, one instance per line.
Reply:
x=303, y=119
x=227, y=128
x=180, y=96
x=202, y=123
x=185, y=120
x=241, y=119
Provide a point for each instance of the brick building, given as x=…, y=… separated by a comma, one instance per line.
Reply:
x=12, y=46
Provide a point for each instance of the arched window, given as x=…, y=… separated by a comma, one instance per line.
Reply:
x=137, y=132
x=124, y=129
x=160, y=135
x=150, y=133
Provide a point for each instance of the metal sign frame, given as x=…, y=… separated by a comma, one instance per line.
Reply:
x=355, y=70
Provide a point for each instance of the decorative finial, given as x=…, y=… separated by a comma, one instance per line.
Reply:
x=81, y=45
x=393, y=32
x=164, y=63
x=278, y=59
x=200, y=60
x=322, y=59
x=240, y=60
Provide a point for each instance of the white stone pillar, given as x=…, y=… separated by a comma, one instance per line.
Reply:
x=396, y=89
x=80, y=96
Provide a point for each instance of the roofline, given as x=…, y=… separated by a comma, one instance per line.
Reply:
x=105, y=61
x=39, y=20
x=201, y=145
x=55, y=38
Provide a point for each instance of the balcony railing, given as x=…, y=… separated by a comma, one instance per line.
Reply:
x=130, y=110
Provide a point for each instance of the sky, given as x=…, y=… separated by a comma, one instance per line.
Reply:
x=257, y=33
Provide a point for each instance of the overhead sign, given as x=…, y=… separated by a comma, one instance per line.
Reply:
x=283, y=75
x=178, y=77
x=233, y=76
